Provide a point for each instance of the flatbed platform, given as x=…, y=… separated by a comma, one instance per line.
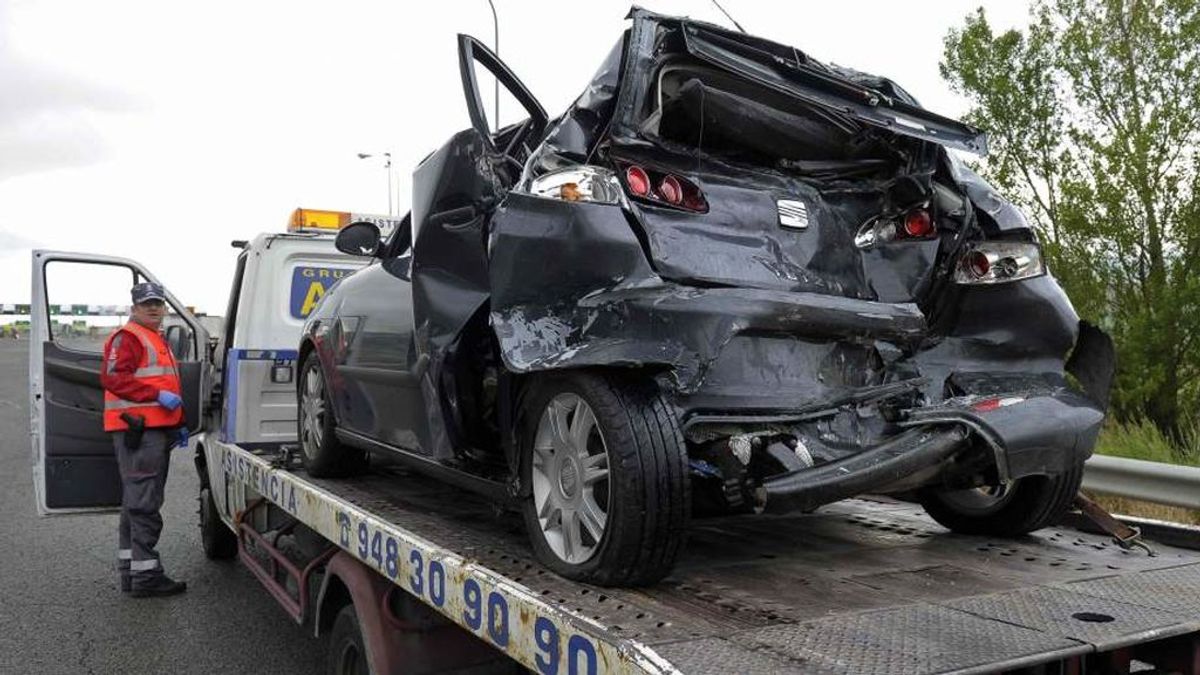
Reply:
x=862, y=586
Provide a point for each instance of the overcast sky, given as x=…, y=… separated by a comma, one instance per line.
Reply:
x=161, y=131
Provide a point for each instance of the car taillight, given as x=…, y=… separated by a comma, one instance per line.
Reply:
x=990, y=404
x=997, y=262
x=671, y=190
x=915, y=224
x=918, y=224
x=581, y=183
x=977, y=264
x=638, y=181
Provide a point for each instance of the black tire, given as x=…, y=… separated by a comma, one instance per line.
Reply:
x=648, y=493
x=323, y=455
x=219, y=541
x=347, y=649
x=1028, y=504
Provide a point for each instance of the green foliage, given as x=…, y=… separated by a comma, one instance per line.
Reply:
x=1094, y=116
x=1140, y=439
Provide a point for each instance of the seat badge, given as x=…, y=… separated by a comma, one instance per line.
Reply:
x=793, y=214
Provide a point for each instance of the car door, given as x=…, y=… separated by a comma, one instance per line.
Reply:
x=77, y=301
x=374, y=379
x=455, y=190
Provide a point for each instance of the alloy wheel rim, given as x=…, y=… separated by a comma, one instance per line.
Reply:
x=312, y=412
x=570, y=477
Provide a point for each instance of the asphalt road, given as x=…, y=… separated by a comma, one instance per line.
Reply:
x=61, y=611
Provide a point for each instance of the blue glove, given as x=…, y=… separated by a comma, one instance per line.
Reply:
x=169, y=400
x=181, y=440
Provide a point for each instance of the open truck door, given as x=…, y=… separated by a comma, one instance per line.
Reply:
x=77, y=301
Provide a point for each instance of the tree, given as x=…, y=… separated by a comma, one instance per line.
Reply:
x=1094, y=119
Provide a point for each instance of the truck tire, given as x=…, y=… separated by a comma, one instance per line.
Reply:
x=347, y=650
x=1025, y=505
x=323, y=455
x=218, y=541
x=604, y=467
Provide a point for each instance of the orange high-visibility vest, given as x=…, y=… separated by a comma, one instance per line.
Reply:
x=157, y=369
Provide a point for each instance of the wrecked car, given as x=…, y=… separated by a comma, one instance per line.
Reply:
x=728, y=279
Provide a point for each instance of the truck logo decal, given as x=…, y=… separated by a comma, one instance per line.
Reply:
x=309, y=285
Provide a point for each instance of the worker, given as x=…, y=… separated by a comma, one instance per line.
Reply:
x=143, y=411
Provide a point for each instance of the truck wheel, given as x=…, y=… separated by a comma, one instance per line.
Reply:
x=218, y=541
x=323, y=455
x=1020, y=507
x=606, y=468
x=347, y=651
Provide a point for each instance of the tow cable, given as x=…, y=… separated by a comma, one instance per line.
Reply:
x=1124, y=535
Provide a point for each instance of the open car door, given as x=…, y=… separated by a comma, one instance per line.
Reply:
x=78, y=300
x=514, y=142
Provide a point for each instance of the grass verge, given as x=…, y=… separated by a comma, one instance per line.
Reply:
x=1142, y=440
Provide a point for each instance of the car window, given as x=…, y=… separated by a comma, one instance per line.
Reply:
x=88, y=301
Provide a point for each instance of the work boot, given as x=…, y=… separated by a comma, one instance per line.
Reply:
x=159, y=587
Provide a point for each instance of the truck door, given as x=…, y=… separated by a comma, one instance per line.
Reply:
x=77, y=301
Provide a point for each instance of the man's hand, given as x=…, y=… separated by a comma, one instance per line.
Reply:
x=181, y=437
x=169, y=400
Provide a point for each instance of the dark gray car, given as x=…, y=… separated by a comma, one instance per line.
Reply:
x=729, y=278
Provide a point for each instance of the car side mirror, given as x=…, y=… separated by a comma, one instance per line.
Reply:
x=177, y=337
x=359, y=238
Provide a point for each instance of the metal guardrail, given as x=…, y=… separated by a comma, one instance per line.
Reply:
x=1155, y=482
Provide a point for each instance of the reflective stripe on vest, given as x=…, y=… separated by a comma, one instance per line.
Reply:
x=157, y=369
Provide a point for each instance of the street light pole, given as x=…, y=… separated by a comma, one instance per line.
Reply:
x=387, y=163
x=388, y=156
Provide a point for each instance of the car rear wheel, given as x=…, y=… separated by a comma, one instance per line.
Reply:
x=323, y=455
x=606, y=469
x=1015, y=508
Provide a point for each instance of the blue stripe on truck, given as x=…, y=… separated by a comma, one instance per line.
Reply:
x=264, y=354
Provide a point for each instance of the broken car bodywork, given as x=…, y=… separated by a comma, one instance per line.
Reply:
x=753, y=324
x=810, y=348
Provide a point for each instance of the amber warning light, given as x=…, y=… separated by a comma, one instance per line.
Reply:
x=313, y=219
x=317, y=220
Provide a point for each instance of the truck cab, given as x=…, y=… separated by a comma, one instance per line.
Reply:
x=278, y=281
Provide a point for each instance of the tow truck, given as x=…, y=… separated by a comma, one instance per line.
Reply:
x=404, y=574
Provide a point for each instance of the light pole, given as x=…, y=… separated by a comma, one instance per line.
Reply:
x=387, y=163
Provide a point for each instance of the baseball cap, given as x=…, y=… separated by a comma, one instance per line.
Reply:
x=147, y=291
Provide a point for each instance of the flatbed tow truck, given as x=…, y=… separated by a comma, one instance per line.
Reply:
x=406, y=574
x=862, y=586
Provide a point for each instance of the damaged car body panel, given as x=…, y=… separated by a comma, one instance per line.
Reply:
x=783, y=253
x=726, y=300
